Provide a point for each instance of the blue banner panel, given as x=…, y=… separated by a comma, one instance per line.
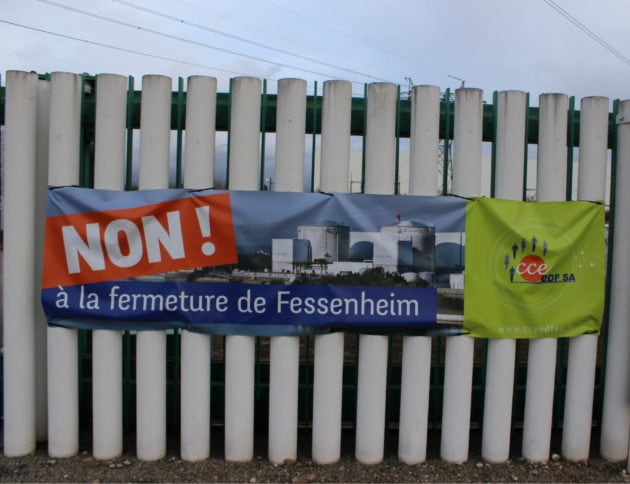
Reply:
x=197, y=305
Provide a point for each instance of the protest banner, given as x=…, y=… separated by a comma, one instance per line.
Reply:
x=249, y=262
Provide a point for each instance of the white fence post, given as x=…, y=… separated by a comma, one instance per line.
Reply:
x=19, y=264
x=41, y=328
x=155, y=124
x=285, y=350
x=616, y=405
x=424, y=134
x=240, y=351
x=328, y=359
x=196, y=348
x=416, y=355
x=541, y=362
x=109, y=173
x=63, y=384
x=380, y=169
x=510, y=152
x=290, y=135
x=582, y=363
x=460, y=349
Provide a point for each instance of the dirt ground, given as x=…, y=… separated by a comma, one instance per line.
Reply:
x=39, y=467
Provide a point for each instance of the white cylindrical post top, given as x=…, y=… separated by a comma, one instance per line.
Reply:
x=110, y=124
x=425, y=131
x=64, y=146
x=552, y=147
x=18, y=316
x=65, y=129
x=593, y=148
x=201, y=101
x=155, y=132
x=244, y=166
x=290, y=139
x=510, y=144
x=467, y=138
x=109, y=173
x=380, y=138
x=616, y=411
x=335, y=146
x=110, y=128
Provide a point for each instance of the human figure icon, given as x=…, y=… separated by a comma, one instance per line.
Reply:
x=523, y=245
x=512, y=271
x=514, y=250
x=506, y=260
x=544, y=247
x=534, y=242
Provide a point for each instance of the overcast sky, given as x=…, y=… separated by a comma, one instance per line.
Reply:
x=576, y=47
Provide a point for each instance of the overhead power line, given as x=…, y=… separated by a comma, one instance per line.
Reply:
x=245, y=40
x=181, y=39
x=252, y=26
x=120, y=49
x=132, y=51
x=588, y=31
x=357, y=39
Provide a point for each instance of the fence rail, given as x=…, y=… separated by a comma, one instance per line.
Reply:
x=64, y=129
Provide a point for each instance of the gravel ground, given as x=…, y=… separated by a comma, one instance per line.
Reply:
x=127, y=468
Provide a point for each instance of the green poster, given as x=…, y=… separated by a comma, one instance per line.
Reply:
x=533, y=270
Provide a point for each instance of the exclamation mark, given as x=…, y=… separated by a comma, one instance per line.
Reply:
x=203, y=216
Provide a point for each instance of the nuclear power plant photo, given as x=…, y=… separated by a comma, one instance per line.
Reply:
x=406, y=248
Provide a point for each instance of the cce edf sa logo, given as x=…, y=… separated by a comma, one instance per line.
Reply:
x=525, y=264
